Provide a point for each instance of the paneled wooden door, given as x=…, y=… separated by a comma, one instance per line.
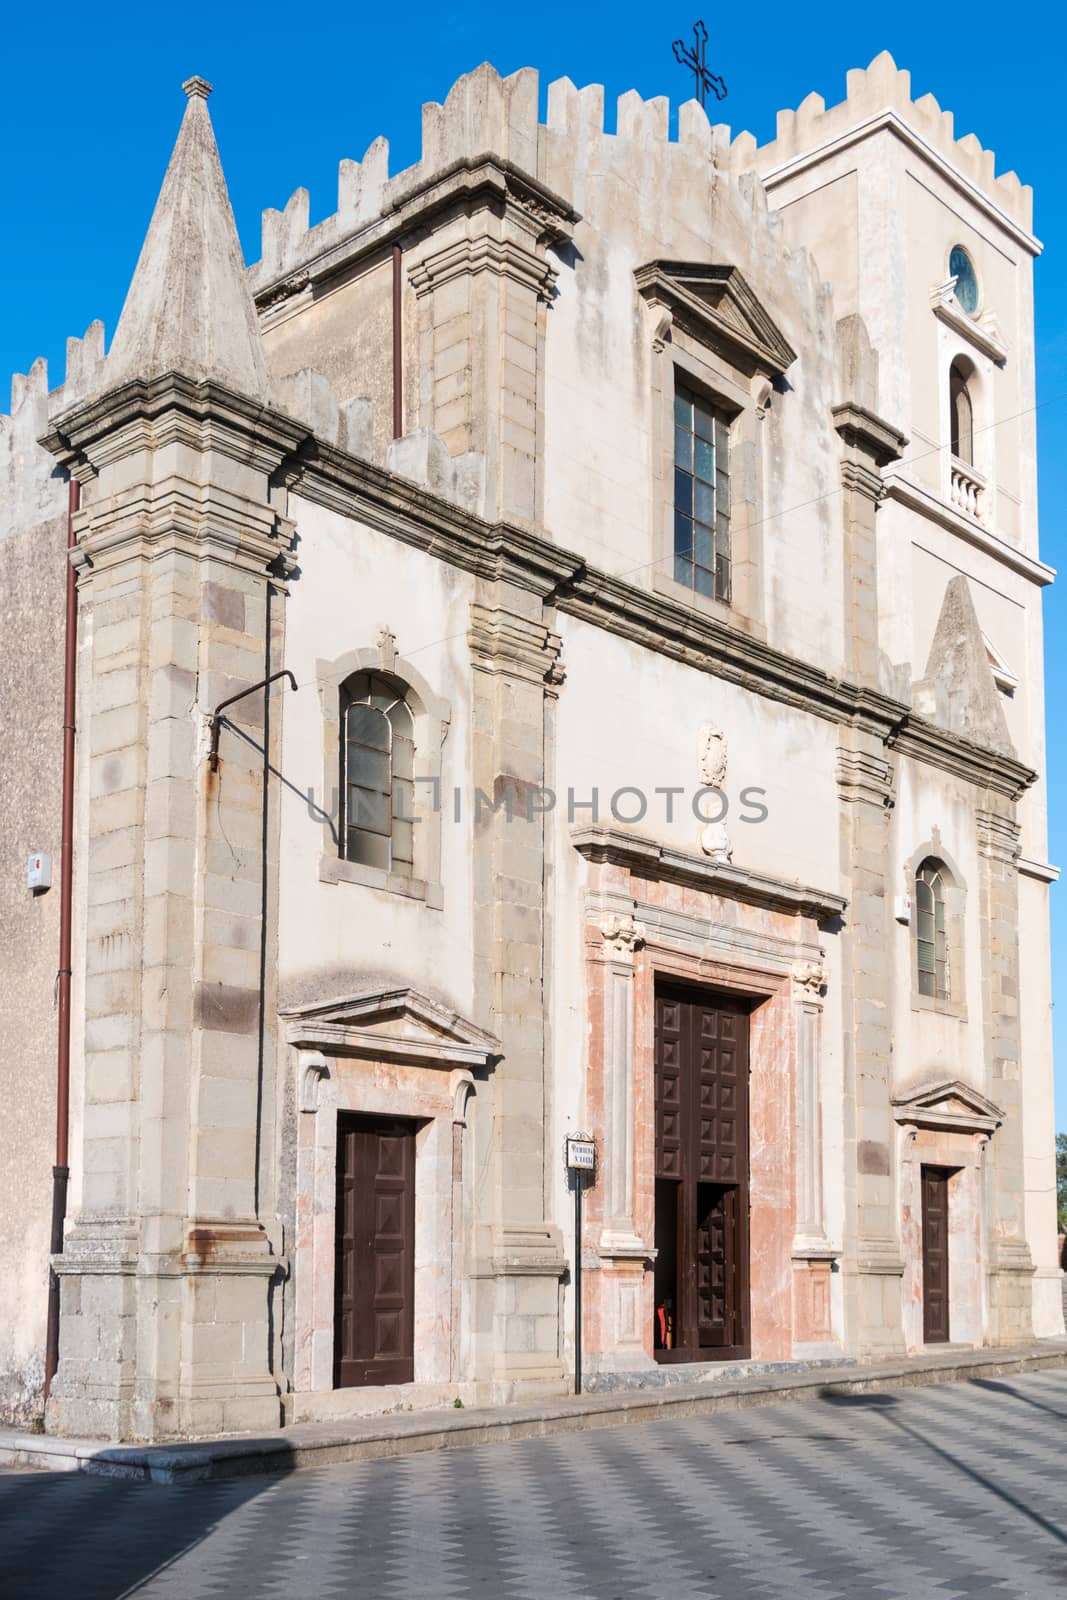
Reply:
x=935, y=1254
x=702, y=1277
x=374, y=1271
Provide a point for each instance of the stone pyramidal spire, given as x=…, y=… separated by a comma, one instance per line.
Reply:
x=960, y=675
x=189, y=308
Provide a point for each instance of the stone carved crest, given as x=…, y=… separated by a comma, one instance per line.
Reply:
x=810, y=976
x=621, y=936
x=711, y=766
x=711, y=755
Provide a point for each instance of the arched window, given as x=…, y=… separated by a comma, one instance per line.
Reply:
x=931, y=926
x=961, y=414
x=377, y=773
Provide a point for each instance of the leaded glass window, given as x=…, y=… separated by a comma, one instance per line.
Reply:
x=931, y=930
x=701, y=497
x=377, y=760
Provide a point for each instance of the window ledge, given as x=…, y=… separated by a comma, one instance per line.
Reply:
x=662, y=584
x=332, y=869
x=941, y=1008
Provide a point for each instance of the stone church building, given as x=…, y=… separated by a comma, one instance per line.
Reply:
x=639, y=531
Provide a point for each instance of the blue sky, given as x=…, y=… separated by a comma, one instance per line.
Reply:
x=92, y=101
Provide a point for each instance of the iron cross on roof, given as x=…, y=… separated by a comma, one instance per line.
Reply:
x=696, y=60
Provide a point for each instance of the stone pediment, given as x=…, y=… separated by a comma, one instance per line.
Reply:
x=398, y=1025
x=717, y=306
x=948, y=1103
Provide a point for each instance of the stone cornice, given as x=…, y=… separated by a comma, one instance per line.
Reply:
x=947, y=1103
x=1041, y=871
x=652, y=860
x=749, y=332
x=465, y=186
x=158, y=510
x=916, y=498
x=501, y=642
x=862, y=430
x=981, y=332
x=210, y=418
x=396, y=1025
x=895, y=124
x=146, y=414
x=507, y=258
x=343, y=483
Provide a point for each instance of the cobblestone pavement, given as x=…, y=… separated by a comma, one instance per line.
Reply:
x=940, y=1492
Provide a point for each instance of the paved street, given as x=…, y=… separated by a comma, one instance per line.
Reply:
x=936, y=1493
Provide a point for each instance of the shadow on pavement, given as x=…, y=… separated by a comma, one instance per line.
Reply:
x=885, y=1403
x=90, y=1537
x=1006, y=1388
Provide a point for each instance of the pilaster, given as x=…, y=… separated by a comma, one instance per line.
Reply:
x=1010, y=1265
x=869, y=444
x=813, y=1253
x=483, y=283
x=872, y=1263
x=519, y=1253
x=167, y=1266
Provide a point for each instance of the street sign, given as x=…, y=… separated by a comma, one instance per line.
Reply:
x=581, y=1155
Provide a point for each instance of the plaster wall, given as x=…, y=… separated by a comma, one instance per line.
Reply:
x=630, y=718
x=611, y=738
x=32, y=584
x=642, y=199
x=928, y=1044
x=335, y=937
x=345, y=334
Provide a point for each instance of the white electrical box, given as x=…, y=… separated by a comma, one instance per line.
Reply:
x=39, y=871
x=902, y=908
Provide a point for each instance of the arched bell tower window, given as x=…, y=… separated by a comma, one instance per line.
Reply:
x=932, y=950
x=377, y=773
x=961, y=413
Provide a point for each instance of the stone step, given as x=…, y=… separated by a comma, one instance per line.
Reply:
x=411, y=1433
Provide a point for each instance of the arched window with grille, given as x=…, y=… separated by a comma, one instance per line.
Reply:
x=932, y=952
x=961, y=414
x=377, y=773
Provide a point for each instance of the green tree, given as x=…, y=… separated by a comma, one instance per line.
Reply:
x=1061, y=1180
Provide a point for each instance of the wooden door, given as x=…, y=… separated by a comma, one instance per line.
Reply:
x=701, y=1176
x=935, y=1254
x=374, y=1281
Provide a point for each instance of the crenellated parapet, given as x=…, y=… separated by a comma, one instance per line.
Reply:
x=879, y=90
x=30, y=490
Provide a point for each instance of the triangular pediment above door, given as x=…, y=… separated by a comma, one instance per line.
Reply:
x=396, y=1024
x=718, y=307
x=948, y=1103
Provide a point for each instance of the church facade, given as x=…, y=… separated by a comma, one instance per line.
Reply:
x=558, y=652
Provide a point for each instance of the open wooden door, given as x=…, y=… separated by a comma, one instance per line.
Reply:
x=702, y=1296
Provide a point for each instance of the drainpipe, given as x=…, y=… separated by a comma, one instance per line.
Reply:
x=61, y=1170
x=398, y=345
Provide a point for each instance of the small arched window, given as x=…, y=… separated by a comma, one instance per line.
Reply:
x=961, y=414
x=377, y=774
x=932, y=930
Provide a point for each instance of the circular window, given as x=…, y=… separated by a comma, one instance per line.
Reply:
x=961, y=268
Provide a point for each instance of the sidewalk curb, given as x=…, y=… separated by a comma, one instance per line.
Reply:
x=309, y=1445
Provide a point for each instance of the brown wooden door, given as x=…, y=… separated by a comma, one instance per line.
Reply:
x=701, y=1176
x=374, y=1282
x=935, y=1254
